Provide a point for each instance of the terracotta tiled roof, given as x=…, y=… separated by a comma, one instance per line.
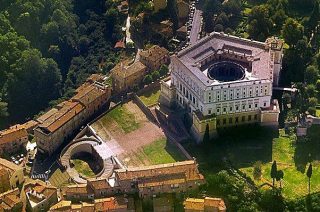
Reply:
x=87, y=207
x=59, y=118
x=194, y=204
x=11, y=167
x=105, y=204
x=87, y=94
x=13, y=134
x=30, y=125
x=124, y=69
x=216, y=204
x=154, y=53
x=10, y=199
x=163, y=180
x=76, y=189
x=98, y=184
x=120, y=44
x=111, y=203
x=47, y=115
x=40, y=187
x=67, y=110
x=189, y=168
x=3, y=171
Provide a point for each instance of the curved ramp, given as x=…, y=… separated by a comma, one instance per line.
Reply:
x=89, y=145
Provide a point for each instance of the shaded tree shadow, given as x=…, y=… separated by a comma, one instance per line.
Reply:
x=175, y=152
x=242, y=145
x=307, y=149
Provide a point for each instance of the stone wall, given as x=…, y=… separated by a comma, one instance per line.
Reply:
x=145, y=109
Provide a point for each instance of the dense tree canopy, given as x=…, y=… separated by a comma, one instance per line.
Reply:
x=259, y=23
x=49, y=47
x=292, y=31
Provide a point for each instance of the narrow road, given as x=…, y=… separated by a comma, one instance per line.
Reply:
x=196, y=26
x=128, y=34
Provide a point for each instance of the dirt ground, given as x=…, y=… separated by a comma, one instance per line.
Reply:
x=131, y=142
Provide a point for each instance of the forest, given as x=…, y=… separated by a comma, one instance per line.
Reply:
x=48, y=47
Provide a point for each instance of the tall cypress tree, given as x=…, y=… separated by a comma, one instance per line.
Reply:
x=309, y=174
x=273, y=172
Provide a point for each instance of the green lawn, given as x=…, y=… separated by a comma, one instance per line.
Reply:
x=161, y=151
x=244, y=146
x=293, y=159
x=124, y=119
x=158, y=152
x=318, y=112
x=83, y=168
x=151, y=97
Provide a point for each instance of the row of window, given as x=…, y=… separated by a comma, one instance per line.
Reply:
x=237, y=120
x=190, y=82
x=224, y=96
x=235, y=109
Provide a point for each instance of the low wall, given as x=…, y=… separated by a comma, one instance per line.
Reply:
x=179, y=146
x=149, y=87
x=145, y=109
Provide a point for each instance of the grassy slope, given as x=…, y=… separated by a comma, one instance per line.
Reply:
x=160, y=152
x=150, y=98
x=292, y=161
x=124, y=119
x=244, y=146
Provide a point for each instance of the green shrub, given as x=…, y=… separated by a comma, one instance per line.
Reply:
x=257, y=172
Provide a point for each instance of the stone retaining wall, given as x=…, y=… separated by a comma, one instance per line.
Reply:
x=145, y=109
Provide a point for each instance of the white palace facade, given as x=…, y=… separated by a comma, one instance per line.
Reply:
x=223, y=81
